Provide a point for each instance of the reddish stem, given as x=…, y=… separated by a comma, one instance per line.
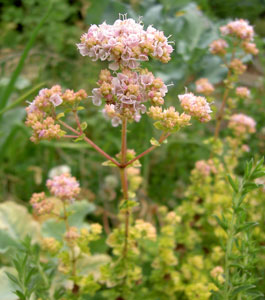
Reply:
x=161, y=140
x=92, y=144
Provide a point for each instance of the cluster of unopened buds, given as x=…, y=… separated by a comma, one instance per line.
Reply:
x=168, y=119
x=41, y=116
x=203, y=86
x=125, y=44
x=242, y=124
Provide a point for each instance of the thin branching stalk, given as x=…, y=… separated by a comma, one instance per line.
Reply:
x=92, y=144
x=161, y=140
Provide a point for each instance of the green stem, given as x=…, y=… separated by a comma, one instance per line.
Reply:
x=229, y=247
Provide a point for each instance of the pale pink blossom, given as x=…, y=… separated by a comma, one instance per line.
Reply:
x=239, y=28
x=196, y=106
x=126, y=94
x=242, y=124
x=204, y=86
x=218, y=47
x=125, y=43
x=64, y=186
x=243, y=92
x=250, y=48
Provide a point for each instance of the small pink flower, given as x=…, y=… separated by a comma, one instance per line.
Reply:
x=56, y=100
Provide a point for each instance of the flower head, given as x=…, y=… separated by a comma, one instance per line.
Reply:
x=205, y=168
x=237, y=66
x=218, y=47
x=242, y=124
x=64, y=186
x=196, y=106
x=204, y=86
x=126, y=93
x=239, y=28
x=250, y=48
x=40, y=113
x=124, y=43
x=40, y=204
x=242, y=92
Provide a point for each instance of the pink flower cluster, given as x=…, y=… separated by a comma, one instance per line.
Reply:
x=205, y=168
x=239, y=28
x=125, y=44
x=125, y=94
x=40, y=113
x=242, y=124
x=64, y=186
x=203, y=86
x=168, y=118
x=218, y=47
x=243, y=92
x=237, y=66
x=196, y=106
x=250, y=48
x=40, y=204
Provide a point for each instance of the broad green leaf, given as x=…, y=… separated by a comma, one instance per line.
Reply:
x=78, y=212
x=15, y=224
x=90, y=264
x=6, y=287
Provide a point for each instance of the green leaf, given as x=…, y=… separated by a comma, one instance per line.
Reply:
x=79, y=210
x=155, y=142
x=80, y=138
x=15, y=224
x=242, y=288
x=108, y=163
x=7, y=285
x=233, y=184
x=60, y=115
x=222, y=223
x=88, y=264
x=246, y=226
x=84, y=125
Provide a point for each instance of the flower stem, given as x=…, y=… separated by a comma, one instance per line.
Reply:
x=124, y=181
x=73, y=260
x=92, y=144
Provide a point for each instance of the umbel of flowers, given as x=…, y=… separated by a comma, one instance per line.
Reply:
x=126, y=92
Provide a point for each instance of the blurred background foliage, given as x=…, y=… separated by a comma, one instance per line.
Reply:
x=53, y=58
